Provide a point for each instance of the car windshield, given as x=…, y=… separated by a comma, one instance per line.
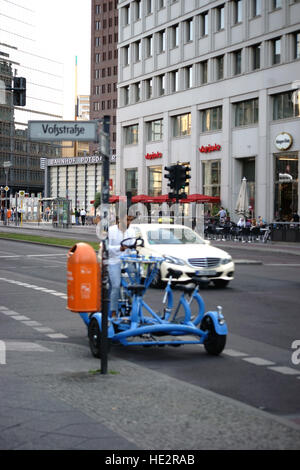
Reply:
x=173, y=236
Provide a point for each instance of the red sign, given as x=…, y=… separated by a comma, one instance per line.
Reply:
x=210, y=148
x=153, y=155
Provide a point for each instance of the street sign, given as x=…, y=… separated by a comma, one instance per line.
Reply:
x=21, y=193
x=55, y=131
x=6, y=188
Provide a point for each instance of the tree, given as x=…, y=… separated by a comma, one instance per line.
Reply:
x=97, y=201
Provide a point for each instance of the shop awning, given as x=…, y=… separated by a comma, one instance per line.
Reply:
x=143, y=198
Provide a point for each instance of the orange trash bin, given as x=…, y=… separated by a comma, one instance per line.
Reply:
x=83, y=279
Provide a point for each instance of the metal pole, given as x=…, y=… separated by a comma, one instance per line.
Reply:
x=105, y=151
x=6, y=183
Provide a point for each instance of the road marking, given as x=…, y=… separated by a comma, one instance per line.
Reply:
x=233, y=353
x=44, y=329
x=20, y=318
x=282, y=264
x=57, y=336
x=258, y=361
x=25, y=347
x=285, y=370
x=31, y=323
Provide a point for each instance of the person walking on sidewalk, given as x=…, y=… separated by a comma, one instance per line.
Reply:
x=83, y=216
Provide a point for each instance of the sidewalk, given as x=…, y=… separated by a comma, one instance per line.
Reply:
x=57, y=402
x=52, y=398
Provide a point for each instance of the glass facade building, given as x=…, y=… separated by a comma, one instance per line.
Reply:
x=19, y=56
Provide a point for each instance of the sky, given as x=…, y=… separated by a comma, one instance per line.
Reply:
x=63, y=31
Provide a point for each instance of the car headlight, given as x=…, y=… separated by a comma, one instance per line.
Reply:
x=173, y=260
x=226, y=260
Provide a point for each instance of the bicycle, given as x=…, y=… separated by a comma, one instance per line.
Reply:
x=137, y=324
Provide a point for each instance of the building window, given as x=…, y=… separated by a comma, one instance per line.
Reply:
x=161, y=4
x=149, y=46
x=174, y=76
x=286, y=187
x=148, y=7
x=126, y=95
x=211, y=177
x=255, y=56
x=154, y=180
x=220, y=11
x=212, y=119
x=126, y=55
x=126, y=15
x=161, y=41
x=182, y=125
x=203, y=71
x=148, y=89
x=220, y=67
x=277, y=4
x=204, y=24
x=286, y=105
x=237, y=64
x=137, y=51
x=188, y=26
x=137, y=9
x=155, y=130
x=131, y=181
x=131, y=134
x=137, y=92
x=174, y=36
x=161, y=79
x=276, y=51
x=297, y=46
x=246, y=112
x=256, y=8
x=238, y=11
x=188, y=76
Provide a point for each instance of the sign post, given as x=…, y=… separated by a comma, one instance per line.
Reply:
x=104, y=149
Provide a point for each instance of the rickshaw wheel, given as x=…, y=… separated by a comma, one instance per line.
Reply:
x=94, y=335
x=214, y=343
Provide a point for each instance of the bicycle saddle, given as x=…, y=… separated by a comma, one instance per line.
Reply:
x=185, y=289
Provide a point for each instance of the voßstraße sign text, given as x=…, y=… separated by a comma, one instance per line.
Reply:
x=54, y=131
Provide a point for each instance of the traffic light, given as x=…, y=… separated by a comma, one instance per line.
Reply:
x=182, y=177
x=171, y=176
x=19, y=91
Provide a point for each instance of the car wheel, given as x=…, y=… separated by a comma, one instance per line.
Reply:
x=214, y=343
x=220, y=283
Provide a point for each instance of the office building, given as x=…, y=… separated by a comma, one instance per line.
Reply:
x=19, y=57
x=104, y=64
x=214, y=84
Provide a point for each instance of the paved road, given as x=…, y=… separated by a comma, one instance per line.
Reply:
x=261, y=307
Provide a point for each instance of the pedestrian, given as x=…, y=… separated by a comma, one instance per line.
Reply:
x=77, y=215
x=242, y=222
x=222, y=215
x=83, y=216
x=116, y=234
x=295, y=217
x=8, y=216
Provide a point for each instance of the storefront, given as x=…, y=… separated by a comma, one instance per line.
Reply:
x=286, y=178
x=78, y=179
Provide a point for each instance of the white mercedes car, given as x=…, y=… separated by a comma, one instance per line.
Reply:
x=184, y=250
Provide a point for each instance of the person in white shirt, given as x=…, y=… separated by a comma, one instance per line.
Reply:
x=83, y=216
x=242, y=222
x=116, y=234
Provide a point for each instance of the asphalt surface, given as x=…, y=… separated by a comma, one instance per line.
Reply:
x=64, y=403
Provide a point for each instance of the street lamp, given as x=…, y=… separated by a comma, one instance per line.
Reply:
x=6, y=166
